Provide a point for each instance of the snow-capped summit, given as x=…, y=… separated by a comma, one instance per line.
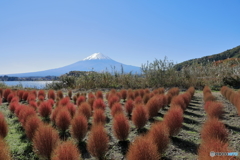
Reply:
x=96, y=56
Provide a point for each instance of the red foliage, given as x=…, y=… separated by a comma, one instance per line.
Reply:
x=191, y=90
x=15, y=99
x=121, y=127
x=64, y=101
x=178, y=100
x=66, y=151
x=60, y=94
x=31, y=125
x=0, y=100
x=138, y=100
x=63, y=119
x=99, y=117
x=129, y=105
x=85, y=109
x=25, y=113
x=41, y=98
x=97, y=143
x=99, y=94
x=186, y=98
x=70, y=94
x=208, y=97
x=116, y=108
x=51, y=94
x=6, y=93
x=123, y=93
x=143, y=148
x=99, y=104
x=146, y=98
x=71, y=108
x=139, y=116
x=141, y=92
x=79, y=127
x=136, y=93
x=3, y=126
x=214, y=129
x=12, y=106
x=1, y=92
x=159, y=134
x=45, y=140
x=5, y=151
x=214, y=109
x=25, y=96
x=113, y=99
x=41, y=93
x=10, y=97
x=174, y=119
x=31, y=97
x=45, y=109
x=51, y=101
x=54, y=113
x=80, y=100
x=130, y=94
x=154, y=105
x=18, y=108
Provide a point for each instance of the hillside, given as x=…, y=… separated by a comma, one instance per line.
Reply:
x=231, y=53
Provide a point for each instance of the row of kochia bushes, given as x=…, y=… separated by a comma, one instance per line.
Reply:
x=48, y=122
x=214, y=135
x=232, y=96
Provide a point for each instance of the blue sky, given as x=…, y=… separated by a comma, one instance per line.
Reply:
x=40, y=35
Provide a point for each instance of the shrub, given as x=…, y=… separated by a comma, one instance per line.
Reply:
x=54, y=114
x=214, y=109
x=97, y=143
x=113, y=99
x=13, y=106
x=116, y=108
x=99, y=94
x=178, y=100
x=64, y=101
x=63, y=119
x=130, y=94
x=25, y=113
x=139, y=116
x=18, y=108
x=173, y=119
x=123, y=93
x=25, y=96
x=138, y=100
x=10, y=97
x=209, y=97
x=70, y=94
x=60, y=94
x=3, y=126
x=71, y=108
x=186, y=98
x=191, y=90
x=99, y=117
x=33, y=104
x=159, y=134
x=214, y=129
x=120, y=127
x=31, y=125
x=66, y=151
x=1, y=92
x=45, y=109
x=136, y=93
x=6, y=93
x=41, y=98
x=5, y=151
x=51, y=94
x=80, y=100
x=41, y=93
x=129, y=105
x=154, y=104
x=99, y=104
x=0, y=100
x=146, y=98
x=31, y=97
x=143, y=148
x=45, y=140
x=85, y=109
x=79, y=127
x=51, y=102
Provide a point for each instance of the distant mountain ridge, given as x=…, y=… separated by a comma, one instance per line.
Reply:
x=96, y=62
x=230, y=53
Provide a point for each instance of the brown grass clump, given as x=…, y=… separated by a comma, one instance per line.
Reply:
x=66, y=151
x=79, y=127
x=3, y=126
x=143, y=148
x=159, y=134
x=121, y=127
x=97, y=143
x=85, y=109
x=31, y=125
x=45, y=140
x=214, y=129
x=129, y=105
x=51, y=94
x=139, y=116
x=4, y=150
x=99, y=104
x=63, y=119
x=80, y=100
x=45, y=109
x=99, y=117
x=116, y=108
x=174, y=119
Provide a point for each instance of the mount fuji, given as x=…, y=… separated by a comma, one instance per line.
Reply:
x=96, y=62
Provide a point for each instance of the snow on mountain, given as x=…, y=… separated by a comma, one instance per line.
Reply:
x=96, y=62
x=96, y=56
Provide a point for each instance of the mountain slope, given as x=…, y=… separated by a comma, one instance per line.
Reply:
x=96, y=62
x=231, y=53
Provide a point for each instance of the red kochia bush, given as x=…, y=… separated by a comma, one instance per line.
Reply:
x=66, y=151
x=10, y=97
x=214, y=129
x=139, y=116
x=6, y=93
x=116, y=108
x=154, y=104
x=54, y=114
x=99, y=117
x=45, y=140
x=99, y=104
x=25, y=96
x=71, y=108
x=121, y=126
x=31, y=125
x=41, y=93
x=143, y=148
x=113, y=99
x=80, y=100
x=1, y=92
x=174, y=119
x=60, y=94
x=45, y=109
x=63, y=119
x=25, y=113
x=3, y=126
x=51, y=94
x=214, y=109
x=129, y=105
x=13, y=106
x=85, y=109
x=5, y=151
x=123, y=93
x=99, y=94
x=64, y=101
x=159, y=134
x=15, y=99
x=97, y=143
x=79, y=127
x=0, y=100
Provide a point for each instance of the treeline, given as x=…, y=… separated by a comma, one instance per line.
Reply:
x=47, y=78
